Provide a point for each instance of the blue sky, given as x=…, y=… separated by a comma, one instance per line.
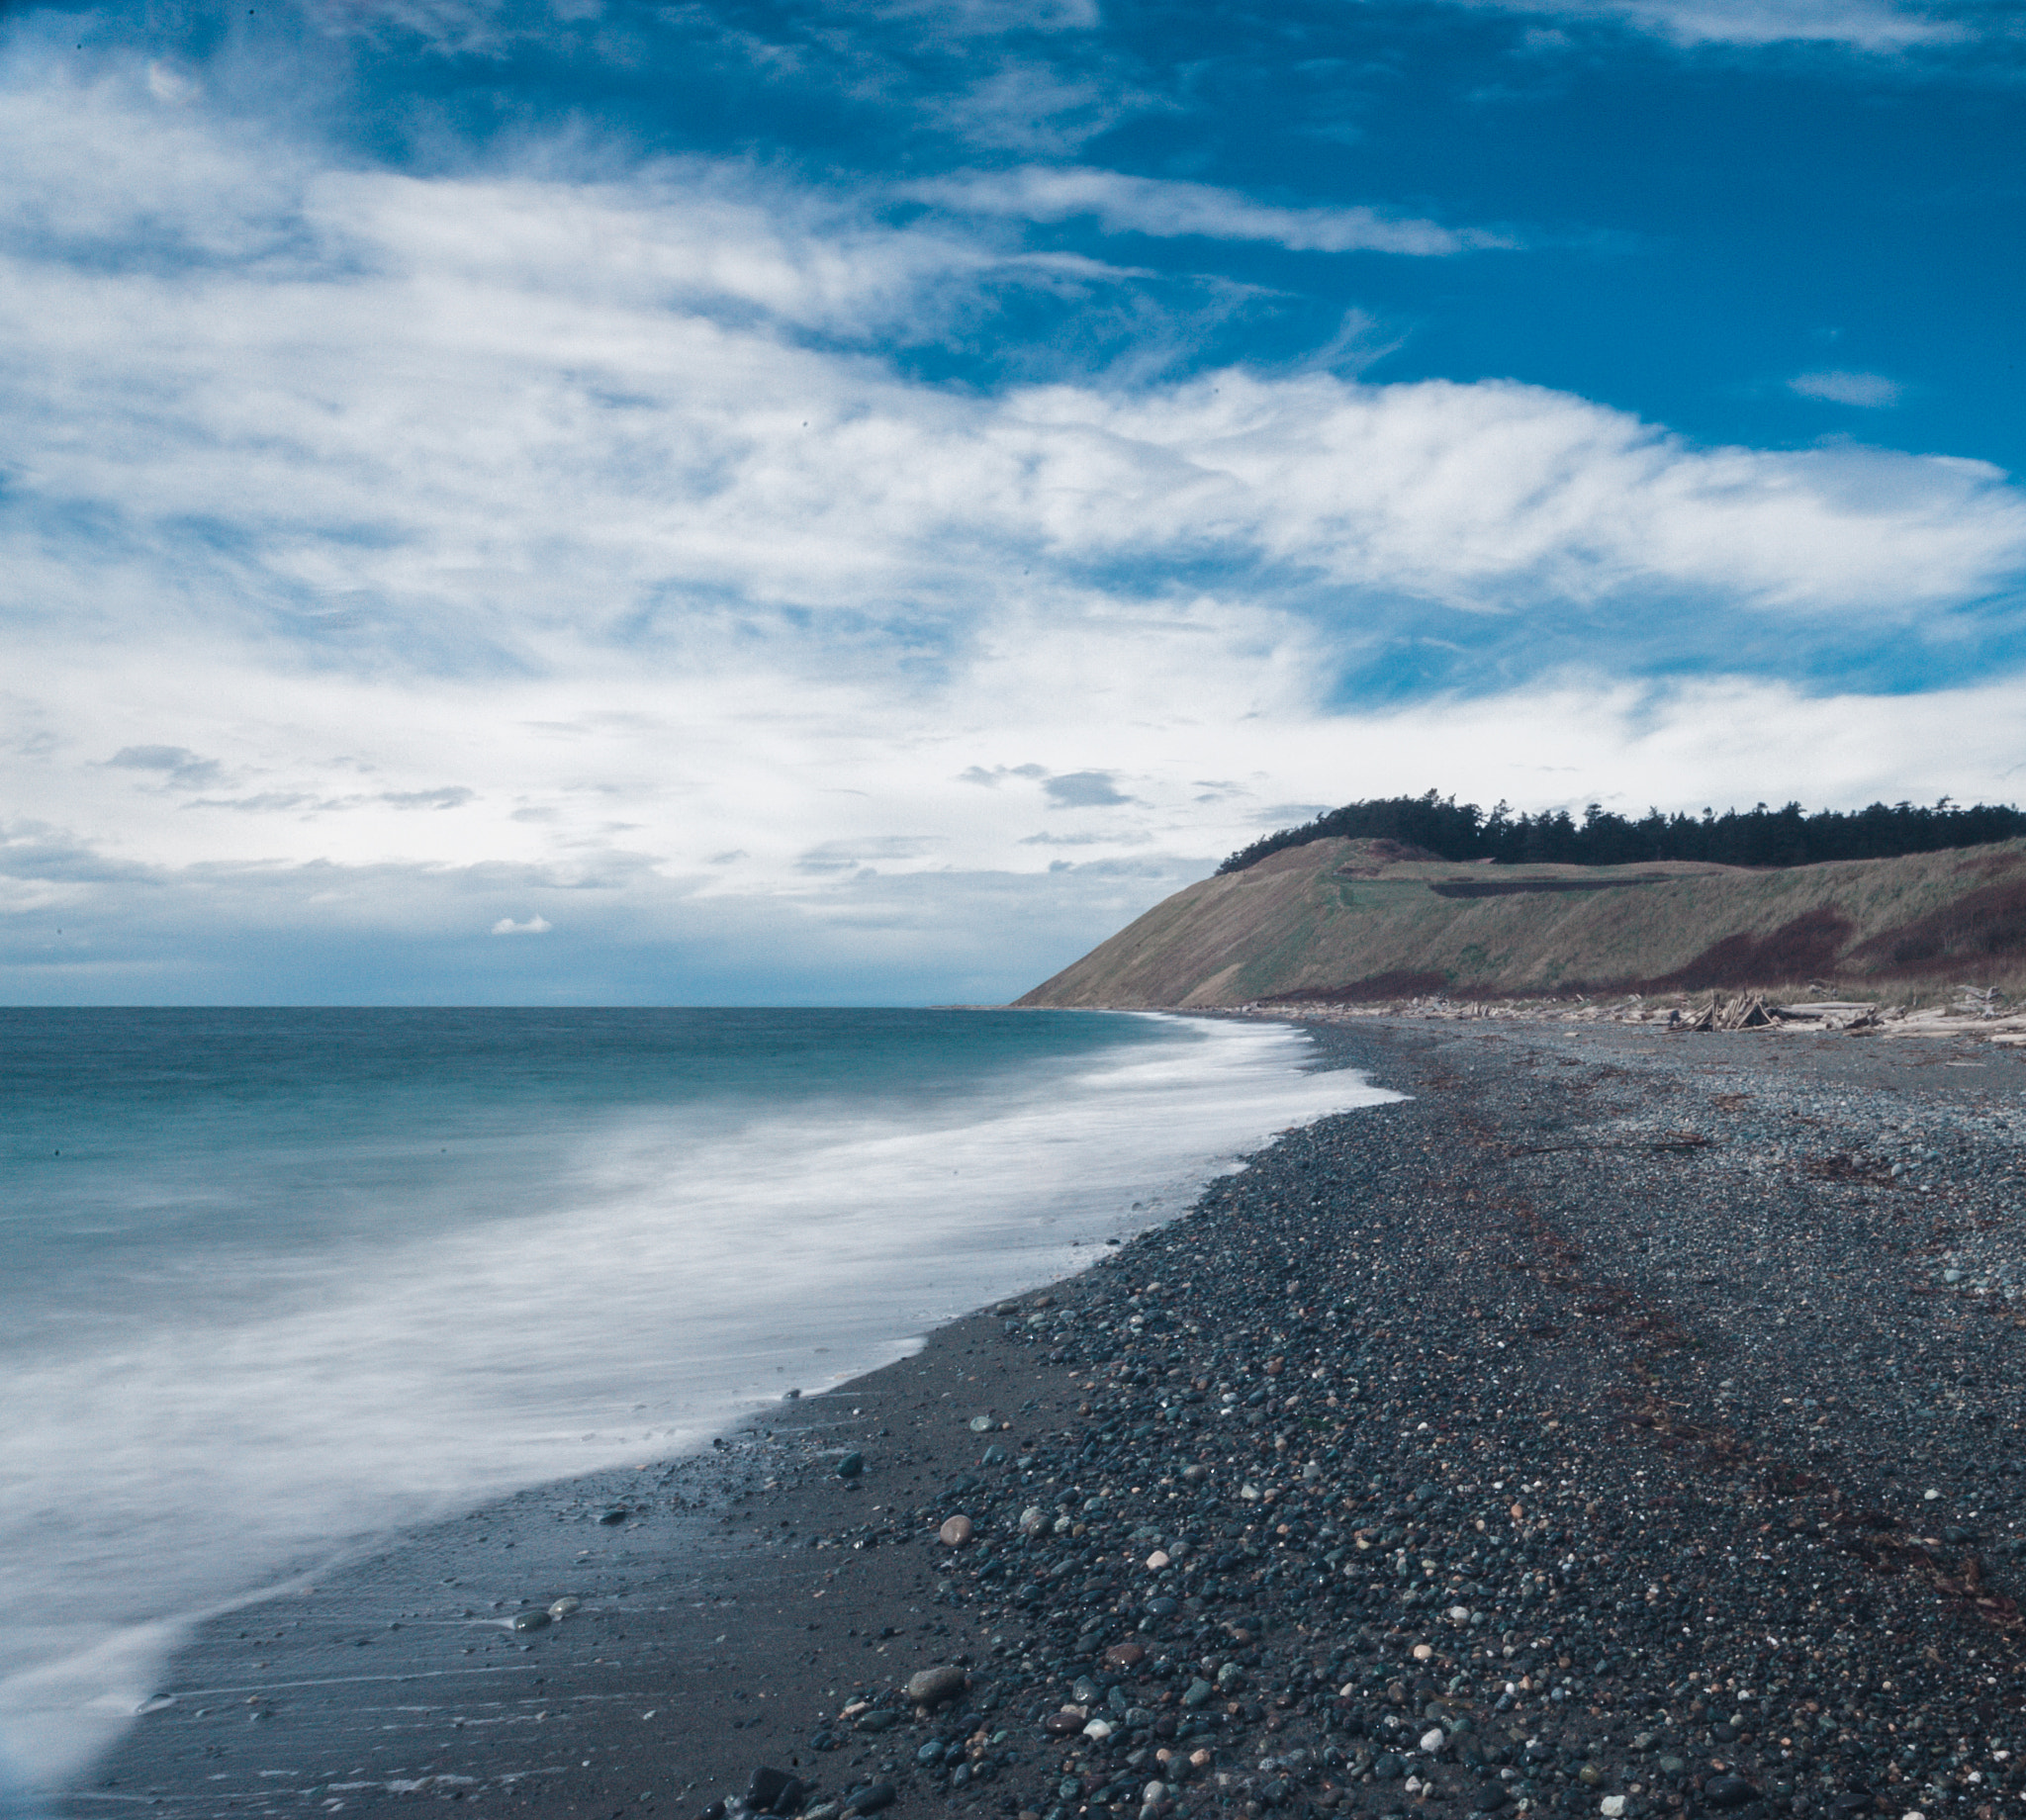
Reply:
x=730, y=502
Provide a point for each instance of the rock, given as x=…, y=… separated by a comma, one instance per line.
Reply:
x=995, y=1455
x=1387, y=1768
x=1728, y=1792
x=1064, y=1724
x=870, y=1800
x=851, y=1466
x=880, y=1719
x=1124, y=1656
x=619, y=1514
x=932, y=1686
x=531, y=1620
x=774, y=1791
x=956, y=1531
x=1612, y=1807
x=1199, y=1691
x=982, y=1424
x=1033, y=1521
x=1099, y=1729
x=1433, y=1740
x=562, y=1608
x=1158, y=1560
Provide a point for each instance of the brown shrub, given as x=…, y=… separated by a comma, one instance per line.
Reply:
x=1978, y=927
x=1797, y=949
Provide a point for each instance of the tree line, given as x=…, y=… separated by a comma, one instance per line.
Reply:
x=1758, y=835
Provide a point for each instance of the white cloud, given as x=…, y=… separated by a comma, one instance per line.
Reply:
x=1865, y=25
x=1871, y=391
x=1123, y=204
x=985, y=923
x=390, y=557
x=534, y=926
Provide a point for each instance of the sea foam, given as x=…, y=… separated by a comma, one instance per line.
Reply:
x=608, y=1286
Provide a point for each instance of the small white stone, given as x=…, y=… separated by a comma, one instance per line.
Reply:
x=1158, y=1560
x=1930, y=1495
x=1459, y=1614
x=1098, y=1728
x=1611, y=1806
x=1433, y=1740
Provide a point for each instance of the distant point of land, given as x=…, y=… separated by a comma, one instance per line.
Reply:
x=1416, y=897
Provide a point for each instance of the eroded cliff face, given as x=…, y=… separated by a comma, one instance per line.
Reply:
x=1352, y=921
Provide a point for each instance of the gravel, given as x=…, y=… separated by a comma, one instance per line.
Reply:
x=1624, y=1425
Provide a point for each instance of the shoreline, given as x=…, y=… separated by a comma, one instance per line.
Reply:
x=1580, y=1274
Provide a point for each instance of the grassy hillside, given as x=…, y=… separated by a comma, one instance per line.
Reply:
x=1367, y=920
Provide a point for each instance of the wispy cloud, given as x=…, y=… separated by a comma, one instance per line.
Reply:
x=1868, y=390
x=1162, y=207
x=607, y=494
x=1863, y=25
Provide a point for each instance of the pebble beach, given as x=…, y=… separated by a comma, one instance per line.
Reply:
x=1622, y=1424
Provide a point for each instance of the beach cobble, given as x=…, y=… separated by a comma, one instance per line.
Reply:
x=1620, y=1427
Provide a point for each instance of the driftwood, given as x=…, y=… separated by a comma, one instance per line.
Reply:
x=1741, y=1011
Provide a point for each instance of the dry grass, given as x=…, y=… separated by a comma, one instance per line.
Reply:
x=1335, y=921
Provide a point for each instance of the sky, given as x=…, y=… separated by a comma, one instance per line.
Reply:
x=770, y=501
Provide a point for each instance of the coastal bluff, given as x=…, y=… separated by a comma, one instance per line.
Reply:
x=1363, y=921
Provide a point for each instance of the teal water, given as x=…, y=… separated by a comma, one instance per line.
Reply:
x=281, y=1280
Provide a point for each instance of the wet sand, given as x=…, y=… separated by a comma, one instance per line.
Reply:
x=1610, y=1373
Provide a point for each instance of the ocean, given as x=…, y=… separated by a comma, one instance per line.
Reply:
x=282, y=1281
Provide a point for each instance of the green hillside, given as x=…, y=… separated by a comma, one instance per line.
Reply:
x=1367, y=921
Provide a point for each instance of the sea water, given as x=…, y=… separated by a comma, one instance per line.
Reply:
x=280, y=1280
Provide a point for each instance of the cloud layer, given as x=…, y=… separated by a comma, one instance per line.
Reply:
x=1164, y=208
x=564, y=544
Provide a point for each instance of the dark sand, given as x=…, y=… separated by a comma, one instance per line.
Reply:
x=1632, y=1353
